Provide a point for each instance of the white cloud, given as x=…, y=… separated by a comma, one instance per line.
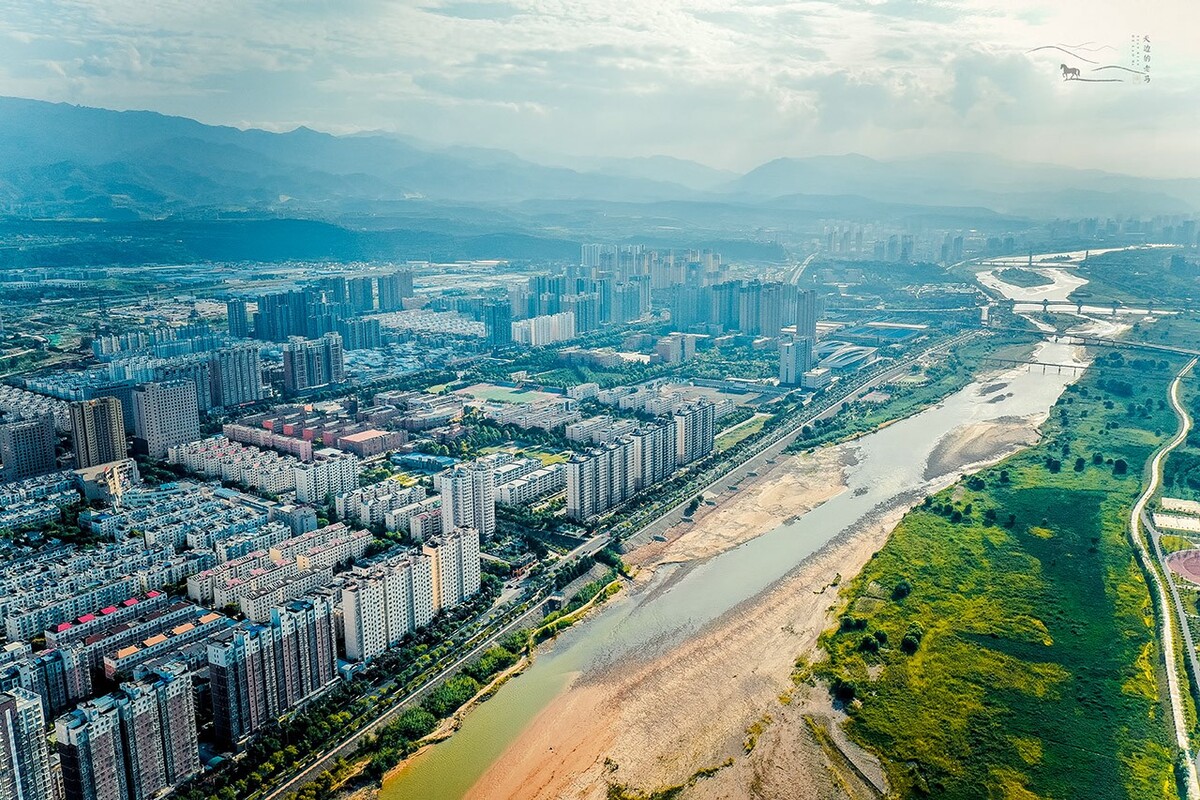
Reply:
x=730, y=83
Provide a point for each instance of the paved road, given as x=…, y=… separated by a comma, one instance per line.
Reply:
x=347, y=746
x=1167, y=628
x=672, y=514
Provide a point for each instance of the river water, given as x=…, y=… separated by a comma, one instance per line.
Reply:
x=681, y=599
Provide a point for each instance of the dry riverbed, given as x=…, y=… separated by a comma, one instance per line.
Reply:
x=653, y=724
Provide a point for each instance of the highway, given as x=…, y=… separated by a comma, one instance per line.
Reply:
x=1154, y=569
x=798, y=272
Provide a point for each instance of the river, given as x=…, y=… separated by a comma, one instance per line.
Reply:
x=681, y=599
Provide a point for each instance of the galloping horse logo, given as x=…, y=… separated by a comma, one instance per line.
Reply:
x=1088, y=55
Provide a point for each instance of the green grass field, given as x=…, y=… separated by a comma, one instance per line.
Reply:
x=728, y=438
x=1001, y=644
x=503, y=394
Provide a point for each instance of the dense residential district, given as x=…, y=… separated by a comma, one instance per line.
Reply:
x=251, y=515
x=222, y=508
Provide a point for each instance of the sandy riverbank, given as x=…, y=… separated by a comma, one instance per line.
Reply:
x=794, y=485
x=654, y=724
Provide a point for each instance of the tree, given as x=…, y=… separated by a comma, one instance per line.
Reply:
x=1080, y=463
x=1120, y=467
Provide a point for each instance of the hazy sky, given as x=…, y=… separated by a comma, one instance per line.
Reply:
x=730, y=84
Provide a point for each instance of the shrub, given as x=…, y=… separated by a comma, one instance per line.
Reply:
x=903, y=589
x=1120, y=467
x=447, y=698
x=853, y=623
x=414, y=724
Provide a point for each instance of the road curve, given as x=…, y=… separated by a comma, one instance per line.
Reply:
x=1160, y=592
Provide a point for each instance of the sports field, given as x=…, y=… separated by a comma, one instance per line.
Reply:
x=504, y=394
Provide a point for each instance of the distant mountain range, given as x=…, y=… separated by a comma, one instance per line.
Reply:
x=66, y=162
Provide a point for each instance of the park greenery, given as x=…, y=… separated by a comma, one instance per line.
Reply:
x=1160, y=274
x=1181, y=471
x=1002, y=643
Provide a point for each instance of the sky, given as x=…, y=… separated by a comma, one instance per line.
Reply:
x=728, y=83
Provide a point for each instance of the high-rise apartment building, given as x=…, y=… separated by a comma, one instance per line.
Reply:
x=653, y=453
x=98, y=428
x=601, y=479
x=236, y=375
x=383, y=604
x=469, y=496
x=134, y=744
x=454, y=558
x=393, y=289
x=308, y=363
x=241, y=666
x=360, y=333
x=27, y=447
x=197, y=369
x=695, y=429
x=306, y=651
x=365, y=614
x=497, y=322
x=165, y=415
x=331, y=472
x=281, y=315
x=795, y=359
x=60, y=677
x=259, y=671
x=239, y=318
x=362, y=294
x=808, y=311
x=24, y=754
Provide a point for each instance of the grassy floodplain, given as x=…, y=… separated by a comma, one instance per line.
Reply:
x=1023, y=277
x=1002, y=643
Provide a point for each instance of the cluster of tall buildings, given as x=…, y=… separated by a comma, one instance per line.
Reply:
x=387, y=601
x=755, y=307
x=303, y=599
x=593, y=296
x=330, y=306
x=165, y=414
x=137, y=742
x=260, y=670
x=225, y=376
x=545, y=329
x=609, y=474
